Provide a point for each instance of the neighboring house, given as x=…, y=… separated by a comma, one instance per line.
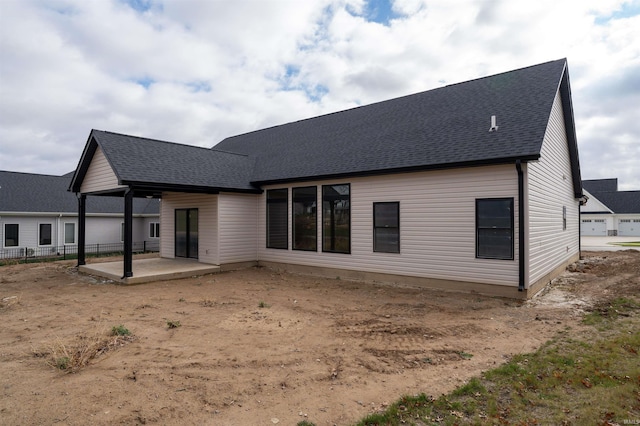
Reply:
x=609, y=212
x=474, y=186
x=38, y=214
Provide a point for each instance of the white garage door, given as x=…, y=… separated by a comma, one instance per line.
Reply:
x=629, y=228
x=594, y=227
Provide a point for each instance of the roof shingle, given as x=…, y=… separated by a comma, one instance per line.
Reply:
x=35, y=193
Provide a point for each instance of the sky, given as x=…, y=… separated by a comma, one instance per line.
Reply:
x=198, y=71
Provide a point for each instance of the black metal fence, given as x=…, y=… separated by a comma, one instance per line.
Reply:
x=71, y=251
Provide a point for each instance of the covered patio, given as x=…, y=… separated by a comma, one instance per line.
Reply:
x=147, y=270
x=130, y=167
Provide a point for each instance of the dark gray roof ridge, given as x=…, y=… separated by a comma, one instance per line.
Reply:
x=408, y=95
x=438, y=128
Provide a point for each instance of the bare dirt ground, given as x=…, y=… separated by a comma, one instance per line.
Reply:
x=324, y=350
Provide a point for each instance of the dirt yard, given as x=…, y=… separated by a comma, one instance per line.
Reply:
x=260, y=347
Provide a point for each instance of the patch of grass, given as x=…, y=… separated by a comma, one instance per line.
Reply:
x=465, y=355
x=305, y=423
x=262, y=304
x=120, y=330
x=627, y=244
x=207, y=303
x=76, y=353
x=602, y=315
x=594, y=379
x=61, y=363
x=173, y=324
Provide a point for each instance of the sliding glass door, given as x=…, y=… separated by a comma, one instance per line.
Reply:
x=186, y=233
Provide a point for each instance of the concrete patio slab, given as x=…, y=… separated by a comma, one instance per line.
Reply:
x=147, y=270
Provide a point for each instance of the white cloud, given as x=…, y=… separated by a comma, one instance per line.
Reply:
x=199, y=71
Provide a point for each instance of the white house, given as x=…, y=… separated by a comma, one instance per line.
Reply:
x=39, y=217
x=609, y=212
x=474, y=186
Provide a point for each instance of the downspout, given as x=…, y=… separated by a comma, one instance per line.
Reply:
x=521, y=242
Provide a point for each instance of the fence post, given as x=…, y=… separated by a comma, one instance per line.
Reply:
x=64, y=252
x=97, y=250
x=144, y=246
x=26, y=254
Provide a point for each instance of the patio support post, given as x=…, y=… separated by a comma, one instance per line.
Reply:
x=82, y=216
x=128, y=233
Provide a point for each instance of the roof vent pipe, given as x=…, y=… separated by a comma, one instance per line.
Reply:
x=494, y=126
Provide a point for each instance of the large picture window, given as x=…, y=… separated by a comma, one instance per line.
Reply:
x=336, y=218
x=45, y=234
x=277, y=229
x=305, y=224
x=11, y=235
x=386, y=227
x=494, y=228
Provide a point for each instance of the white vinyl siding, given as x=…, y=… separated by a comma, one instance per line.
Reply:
x=100, y=229
x=437, y=229
x=238, y=229
x=594, y=205
x=207, y=206
x=550, y=187
x=100, y=175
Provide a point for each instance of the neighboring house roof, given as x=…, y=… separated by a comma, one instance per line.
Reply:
x=441, y=128
x=35, y=193
x=606, y=192
x=600, y=185
x=621, y=202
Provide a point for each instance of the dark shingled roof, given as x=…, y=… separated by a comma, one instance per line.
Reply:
x=600, y=185
x=620, y=202
x=150, y=163
x=441, y=128
x=606, y=191
x=34, y=193
x=444, y=127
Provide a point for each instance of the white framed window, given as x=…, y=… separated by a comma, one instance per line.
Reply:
x=154, y=230
x=44, y=234
x=11, y=234
x=69, y=233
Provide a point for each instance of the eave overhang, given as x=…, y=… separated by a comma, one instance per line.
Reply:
x=413, y=169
